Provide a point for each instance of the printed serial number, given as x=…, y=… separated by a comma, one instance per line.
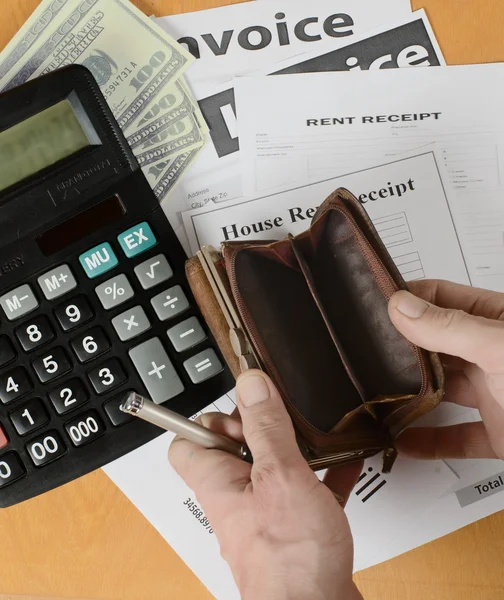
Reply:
x=198, y=514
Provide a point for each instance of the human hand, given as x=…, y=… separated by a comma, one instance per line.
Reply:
x=282, y=531
x=466, y=326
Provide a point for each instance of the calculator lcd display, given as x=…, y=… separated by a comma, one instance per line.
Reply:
x=39, y=142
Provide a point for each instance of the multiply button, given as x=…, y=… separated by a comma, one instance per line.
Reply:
x=170, y=303
x=131, y=323
x=136, y=240
x=98, y=260
x=57, y=282
x=156, y=370
x=19, y=302
x=153, y=271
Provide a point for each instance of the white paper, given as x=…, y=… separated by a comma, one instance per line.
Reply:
x=414, y=221
x=377, y=512
x=281, y=146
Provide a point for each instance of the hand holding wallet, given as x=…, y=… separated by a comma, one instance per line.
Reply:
x=311, y=311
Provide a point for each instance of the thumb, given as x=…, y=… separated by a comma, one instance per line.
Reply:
x=267, y=427
x=475, y=339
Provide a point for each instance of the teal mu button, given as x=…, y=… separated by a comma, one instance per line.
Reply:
x=98, y=260
x=136, y=240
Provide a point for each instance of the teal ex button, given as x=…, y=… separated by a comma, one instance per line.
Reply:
x=98, y=260
x=136, y=240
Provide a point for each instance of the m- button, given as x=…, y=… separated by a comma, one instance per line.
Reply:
x=57, y=282
x=19, y=302
x=136, y=240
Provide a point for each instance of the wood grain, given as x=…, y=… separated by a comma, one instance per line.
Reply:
x=86, y=541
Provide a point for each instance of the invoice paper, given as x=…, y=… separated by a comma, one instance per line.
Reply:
x=342, y=120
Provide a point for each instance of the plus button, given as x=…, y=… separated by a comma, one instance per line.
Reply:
x=156, y=370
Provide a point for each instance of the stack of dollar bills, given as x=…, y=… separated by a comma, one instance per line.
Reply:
x=138, y=67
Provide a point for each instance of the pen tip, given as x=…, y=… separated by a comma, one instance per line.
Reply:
x=132, y=403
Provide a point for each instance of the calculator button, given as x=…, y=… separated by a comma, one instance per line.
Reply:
x=90, y=345
x=11, y=469
x=4, y=440
x=153, y=271
x=115, y=291
x=136, y=240
x=156, y=370
x=19, y=302
x=170, y=303
x=7, y=352
x=85, y=428
x=73, y=313
x=29, y=417
x=57, y=282
x=46, y=448
x=68, y=396
x=131, y=323
x=187, y=334
x=108, y=376
x=51, y=365
x=35, y=333
x=98, y=260
x=203, y=366
x=116, y=416
x=14, y=384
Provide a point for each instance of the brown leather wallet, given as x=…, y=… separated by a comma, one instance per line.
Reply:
x=311, y=311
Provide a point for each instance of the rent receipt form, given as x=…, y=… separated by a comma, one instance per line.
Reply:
x=341, y=122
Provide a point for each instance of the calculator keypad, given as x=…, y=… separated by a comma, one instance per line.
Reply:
x=68, y=396
x=14, y=384
x=170, y=303
x=108, y=376
x=131, y=323
x=51, y=365
x=114, y=292
x=90, y=345
x=156, y=370
x=75, y=339
x=46, y=448
x=11, y=469
x=73, y=313
x=35, y=333
x=57, y=282
x=7, y=352
x=153, y=271
x=19, y=302
x=85, y=428
x=29, y=417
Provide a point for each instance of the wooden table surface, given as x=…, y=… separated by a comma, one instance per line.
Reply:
x=86, y=541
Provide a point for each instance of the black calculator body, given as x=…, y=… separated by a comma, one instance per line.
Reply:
x=93, y=296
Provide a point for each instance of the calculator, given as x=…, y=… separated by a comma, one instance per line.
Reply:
x=94, y=301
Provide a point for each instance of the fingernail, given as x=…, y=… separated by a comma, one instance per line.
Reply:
x=253, y=389
x=409, y=305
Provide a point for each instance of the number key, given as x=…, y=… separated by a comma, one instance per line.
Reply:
x=108, y=376
x=73, y=313
x=46, y=448
x=35, y=333
x=90, y=345
x=29, y=417
x=11, y=468
x=14, y=384
x=7, y=352
x=85, y=428
x=68, y=395
x=51, y=365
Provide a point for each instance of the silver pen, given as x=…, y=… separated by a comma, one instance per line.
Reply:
x=145, y=409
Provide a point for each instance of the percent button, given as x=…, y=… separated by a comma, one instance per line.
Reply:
x=114, y=292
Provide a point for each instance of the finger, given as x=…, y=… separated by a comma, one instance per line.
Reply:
x=267, y=426
x=341, y=480
x=224, y=424
x=446, y=294
x=208, y=472
x=467, y=440
x=475, y=339
x=460, y=390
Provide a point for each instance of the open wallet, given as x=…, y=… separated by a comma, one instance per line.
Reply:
x=311, y=312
